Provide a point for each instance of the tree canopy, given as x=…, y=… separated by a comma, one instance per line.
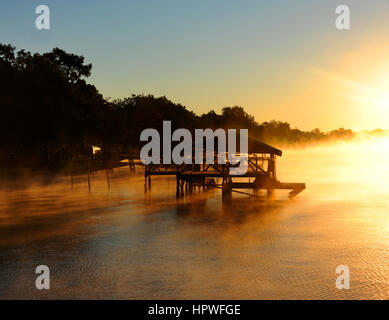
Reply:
x=48, y=110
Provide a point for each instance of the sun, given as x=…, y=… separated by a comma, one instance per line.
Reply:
x=381, y=91
x=382, y=100
x=375, y=95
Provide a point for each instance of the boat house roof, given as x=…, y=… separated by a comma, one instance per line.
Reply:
x=256, y=146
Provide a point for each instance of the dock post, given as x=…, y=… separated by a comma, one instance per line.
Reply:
x=107, y=170
x=180, y=186
x=71, y=173
x=270, y=193
x=177, y=186
x=146, y=173
x=131, y=163
x=226, y=191
x=88, y=175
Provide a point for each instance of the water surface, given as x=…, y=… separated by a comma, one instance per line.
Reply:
x=127, y=244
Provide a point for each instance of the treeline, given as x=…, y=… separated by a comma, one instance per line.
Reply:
x=47, y=110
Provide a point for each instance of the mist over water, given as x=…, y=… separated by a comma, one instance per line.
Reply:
x=127, y=244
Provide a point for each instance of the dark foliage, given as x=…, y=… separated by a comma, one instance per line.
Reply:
x=48, y=111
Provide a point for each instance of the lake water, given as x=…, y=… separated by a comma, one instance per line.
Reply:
x=122, y=243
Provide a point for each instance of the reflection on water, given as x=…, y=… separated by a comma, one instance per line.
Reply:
x=126, y=244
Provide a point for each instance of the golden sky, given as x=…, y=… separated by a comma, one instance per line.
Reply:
x=282, y=60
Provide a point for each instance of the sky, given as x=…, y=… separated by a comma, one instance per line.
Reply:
x=279, y=59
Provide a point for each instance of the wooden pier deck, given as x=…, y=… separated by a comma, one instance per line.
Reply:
x=261, y=174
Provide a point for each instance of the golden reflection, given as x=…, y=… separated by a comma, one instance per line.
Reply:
x=125, y=243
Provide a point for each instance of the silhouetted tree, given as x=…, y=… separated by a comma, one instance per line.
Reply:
x=48, y=110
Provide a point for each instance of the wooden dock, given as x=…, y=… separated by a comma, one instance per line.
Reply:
x=261, y=174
